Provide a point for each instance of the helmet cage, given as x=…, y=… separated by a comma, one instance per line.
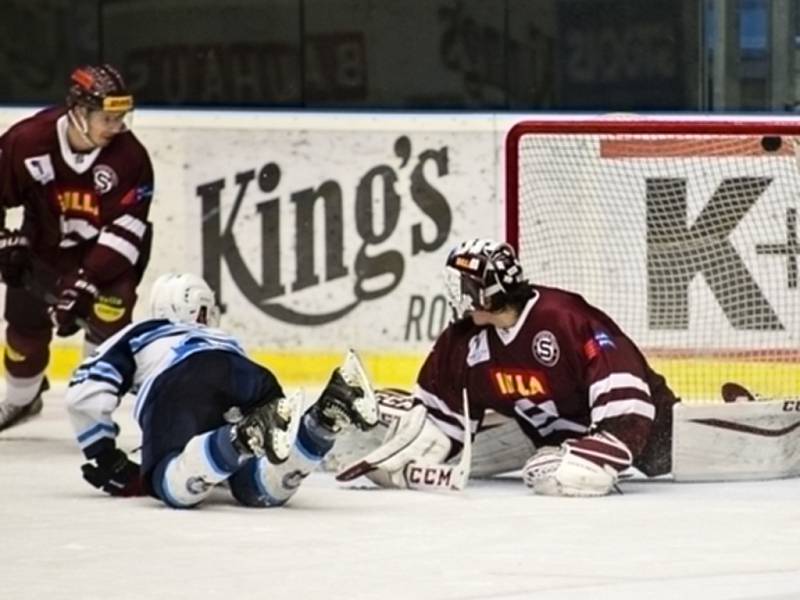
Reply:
x=479, y=275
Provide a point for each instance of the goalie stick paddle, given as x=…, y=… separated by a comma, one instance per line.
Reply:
x=436, y=477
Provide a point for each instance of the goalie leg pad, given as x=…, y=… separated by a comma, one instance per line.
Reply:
x=413, y=439
x=555, y=471
x=499, y=449
x=352, y=443
x=737, y=441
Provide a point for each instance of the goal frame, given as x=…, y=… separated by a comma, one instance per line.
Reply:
x=772, y=367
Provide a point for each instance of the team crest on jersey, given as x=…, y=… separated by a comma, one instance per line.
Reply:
x=105, y=179
x=545, y=348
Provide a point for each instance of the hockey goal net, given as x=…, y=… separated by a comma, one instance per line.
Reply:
x=683, y=231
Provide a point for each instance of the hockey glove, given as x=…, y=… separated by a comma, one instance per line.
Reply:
x=115, y=474
x=76, y=296
x=587, y=466
x=15, y=257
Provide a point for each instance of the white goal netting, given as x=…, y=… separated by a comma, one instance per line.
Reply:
x=685, y=232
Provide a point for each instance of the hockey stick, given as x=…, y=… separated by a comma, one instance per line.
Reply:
x=42, y=292
x=736, y=392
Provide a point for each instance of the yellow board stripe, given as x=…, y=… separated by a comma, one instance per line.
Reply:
x=694, y=380
x=699, y=379
x=291, y=368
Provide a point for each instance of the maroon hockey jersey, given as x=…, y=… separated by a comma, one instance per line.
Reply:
x=95, y=204
x=564, y=370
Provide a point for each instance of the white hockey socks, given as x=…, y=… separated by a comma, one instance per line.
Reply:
x=22, y=390
x=188, y=478
x=261, y=483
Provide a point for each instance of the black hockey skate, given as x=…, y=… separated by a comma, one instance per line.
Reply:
x=11, y=414
x=342, y=404
x=264, y=432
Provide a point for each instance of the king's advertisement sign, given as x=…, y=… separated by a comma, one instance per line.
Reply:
x=320, y=237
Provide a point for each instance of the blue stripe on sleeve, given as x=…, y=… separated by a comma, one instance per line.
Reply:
x=96, y=429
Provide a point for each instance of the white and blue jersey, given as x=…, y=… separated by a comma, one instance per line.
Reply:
x=129, y=362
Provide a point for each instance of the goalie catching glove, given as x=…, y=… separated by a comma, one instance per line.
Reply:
x=588, y=466
x=410, y=439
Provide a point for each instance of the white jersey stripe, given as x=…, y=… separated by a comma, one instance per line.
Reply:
x=542, y=420
x=449, y=429
x=119, y=245
x=435, y=403
x=618, y=408
x=616, y=381
x=130, y=223
x=80, y=227
x=563, y=425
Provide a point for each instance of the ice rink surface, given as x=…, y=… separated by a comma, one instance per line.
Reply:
x=62, y=539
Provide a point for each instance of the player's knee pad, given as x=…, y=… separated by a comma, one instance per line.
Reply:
x=259, y=483
x=27, y=352
x=185, y=479
x=165, y=487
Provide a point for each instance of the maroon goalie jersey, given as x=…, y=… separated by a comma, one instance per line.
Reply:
x=94, y=204
x=564, y=371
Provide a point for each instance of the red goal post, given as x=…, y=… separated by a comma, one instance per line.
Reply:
x=684, y=230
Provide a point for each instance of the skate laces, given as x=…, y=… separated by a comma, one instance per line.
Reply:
x=342, y=403
x=266, y=430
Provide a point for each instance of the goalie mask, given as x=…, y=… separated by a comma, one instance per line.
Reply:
x=479, y=275
x=185, y=298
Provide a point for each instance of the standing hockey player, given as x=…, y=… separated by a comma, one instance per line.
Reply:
x=577, y=386
x=207, y=413
x=84, y=184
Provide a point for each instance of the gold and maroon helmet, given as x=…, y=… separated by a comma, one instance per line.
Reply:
x=99, y=87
